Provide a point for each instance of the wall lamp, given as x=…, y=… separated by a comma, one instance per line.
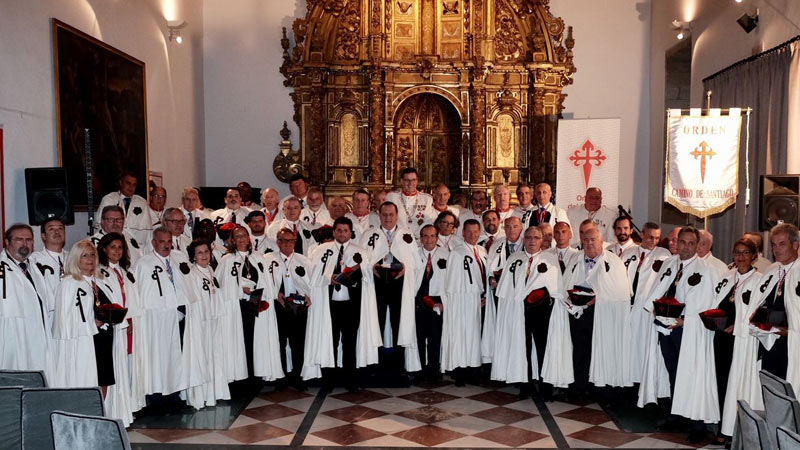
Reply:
x=174, y=27
x=682, y=28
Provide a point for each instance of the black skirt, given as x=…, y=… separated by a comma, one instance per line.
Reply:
x=104, y=356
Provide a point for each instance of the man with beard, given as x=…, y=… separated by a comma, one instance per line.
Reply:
x=315, y=214
x=24, y=327
x=562, y=234
x=233, y=212
x=113, y=220
x=527, y=291
x=491, y=229
x=134, y=208
x=593, y=209
x=257, y=223
x=393, y=254
x=479, y=202
x=622, y=231
x=432, y=269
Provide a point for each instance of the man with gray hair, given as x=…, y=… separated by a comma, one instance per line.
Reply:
x=190, y=204
x=544, y=211
x=502, y=203
x=704, y=247
x=175, y=222
x=112, y=219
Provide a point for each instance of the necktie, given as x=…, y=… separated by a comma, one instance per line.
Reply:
x=169, y=271
x=233, y=217
x=256, y=244
x=528, y=269
x=177, y=243
x=590, y=262
x=489, y=242
x=636, y=277
x=60, y=267
x=540, y=215
x=339, y=263
x=24, y=267
x=619, y=252
x=428, y=267
x=480, y=266
x=127, y=202
x=561, y=264
x=190, y=221
x=674, y=286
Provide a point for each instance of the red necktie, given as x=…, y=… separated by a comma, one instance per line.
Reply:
x=428, y=267
x=480, y=266
x=489, y=243
x=528, y=270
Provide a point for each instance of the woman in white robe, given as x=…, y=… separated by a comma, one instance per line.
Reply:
x=74, y=324
x=737, y=286
x=202, y=290
x=112, y=252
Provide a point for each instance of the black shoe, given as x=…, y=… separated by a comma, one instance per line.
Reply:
x=696, y=436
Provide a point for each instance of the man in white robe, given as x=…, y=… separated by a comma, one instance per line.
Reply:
x=479, y=203
x=431, y=273
x=233, y=212
x=594, y=209
x=315, y=214
x=342, y=315
x=492, y=230
x=502, y=203
x=685, y=344
x=257, y=223
x=135, y=209
x=525, y=207
x=441, y=196
x=622, y=232
x=642, y=263
x=158, y=198
x=465, y=286
x=360, y=216
x=270, y=201
x=704, y=252
x=157, y=336
x=291, y=220
x=600, y=329
x=298, y=186
x=446, y=224
x=414, y=208
x=112, y=219
x=523, y=321
x=289, y=274
x=780, y=292
x=49, y=261
x=562, y=235
x=393, y=256
x=190, y=201
x=24, y=328
x=544, y=211
x=496, y=257
x=175, y=222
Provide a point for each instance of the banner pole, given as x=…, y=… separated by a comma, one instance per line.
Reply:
x=708, y=108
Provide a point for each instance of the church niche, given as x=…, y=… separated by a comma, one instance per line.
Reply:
x=466, y=91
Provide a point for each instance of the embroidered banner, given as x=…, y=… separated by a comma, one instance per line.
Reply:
x=588, y=156
x=702, y=167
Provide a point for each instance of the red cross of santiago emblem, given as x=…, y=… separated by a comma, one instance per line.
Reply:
x=702, y=151
x=587, y=158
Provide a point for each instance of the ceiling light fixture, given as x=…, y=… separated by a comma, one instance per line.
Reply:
x=174, y=27
x=682, y=28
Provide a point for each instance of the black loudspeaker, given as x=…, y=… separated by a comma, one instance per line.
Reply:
x=48, y=195
x=780, y=200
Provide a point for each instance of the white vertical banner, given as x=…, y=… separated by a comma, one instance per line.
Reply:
x=588, y=156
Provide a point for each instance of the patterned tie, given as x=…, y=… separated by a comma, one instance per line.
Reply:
x=590, y=262
x=428, y=267
x=169, y=271
x=541, y=214
x=60, y=267
x=528, y=269
x=674, y=286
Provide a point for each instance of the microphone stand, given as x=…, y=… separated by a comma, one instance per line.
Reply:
x=87, y=150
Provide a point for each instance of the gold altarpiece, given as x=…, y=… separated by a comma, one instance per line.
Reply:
x=467, y=91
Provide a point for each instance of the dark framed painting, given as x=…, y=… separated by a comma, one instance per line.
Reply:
x=101, y=89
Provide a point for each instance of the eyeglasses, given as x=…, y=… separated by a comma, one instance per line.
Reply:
x=743, y=253
x=449, y=224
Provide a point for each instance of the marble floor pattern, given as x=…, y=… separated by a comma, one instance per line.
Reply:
x=442, y=416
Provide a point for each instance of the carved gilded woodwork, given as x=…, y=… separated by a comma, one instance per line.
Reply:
x=486, y=77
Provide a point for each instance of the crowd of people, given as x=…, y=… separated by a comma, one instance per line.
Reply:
x=182, y=301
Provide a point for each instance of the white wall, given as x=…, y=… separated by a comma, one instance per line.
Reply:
x=611, y=55
x=245, y=100
x=27, y=102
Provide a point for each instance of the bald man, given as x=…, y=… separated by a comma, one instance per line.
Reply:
x=441, y=197
x=544, y=211
x=704, y=247
x=593, y=209
x=502, y=203
x=269, y=202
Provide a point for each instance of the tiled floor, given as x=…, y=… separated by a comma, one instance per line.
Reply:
x=443, y=416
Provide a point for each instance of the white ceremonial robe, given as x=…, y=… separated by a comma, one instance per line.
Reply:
x=155, y=218
x=24, y=329
x=439, y=257
x=135, y=247
x=266, y=343
x=496, y=258
x=319, y=351
x=361, y=224
x=119, y=402
x=316, y=219
x=611, y=341
x=195, y=355
x=563, y=255
x=202, y=289
x=263, y=245
x=46, y=263
x=158, y=359
x=556, y=215
x=190, y=220
x=276, y=273
x=509, y=361
x=791, y=298
x=303, y=231
x=618, y=249
x=603, y=217
x=229, y=275
x=404, y=248
x=696, y=381
x=643, y=330
x=224, y=215
x=73, y=333
x=743, y=379
x=470, y=214
x=412, y=211
x=461, y=322
x=716, y=263
x=524, y=214
x=450, y=242
x=137, y=217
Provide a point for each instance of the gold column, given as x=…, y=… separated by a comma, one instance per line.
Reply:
x=428, y=27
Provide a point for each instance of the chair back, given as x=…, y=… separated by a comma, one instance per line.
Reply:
x=37, y=404
x=781, y=410
x=779, y=384
x=751, y=432
x=22, y=378
x=788, y=440
x=10, y=418
x=81, y=432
